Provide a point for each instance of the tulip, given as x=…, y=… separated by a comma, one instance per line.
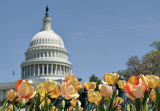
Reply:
x=68, y=91
x=105, y=90
x=54, y=108
x=73, y=102
x=111, y=78
x=94, y=97
x=51, y=85
x=55, y=94
x=69, y=76
x=135, y=88
x=73, y=109
x=153, y=81
x=118, y=99
x=43, y=102
x=74, y=82
x=9, y=108
x=41, y=89
x=152, y=95
x=24, y=89
x=121, y=84
x=89, y=85
x=12, y=95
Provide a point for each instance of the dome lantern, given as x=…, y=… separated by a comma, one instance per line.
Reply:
x=47, y=21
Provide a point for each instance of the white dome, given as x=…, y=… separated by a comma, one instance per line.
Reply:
x=47, y=37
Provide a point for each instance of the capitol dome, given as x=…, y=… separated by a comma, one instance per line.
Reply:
x=47, y=37
x=46, y=56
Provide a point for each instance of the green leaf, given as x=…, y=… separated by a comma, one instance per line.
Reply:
x=38, y=102
x=98, y=109
x=86, y=105
x=15, y=108
x=46, y=106
x=111, y=100
x=151, y=106
x=132, y=107
x=157, y=98
x=144, y=102
x=4, y=105
x=77, y=106
x=138, y=104
x=30, y=108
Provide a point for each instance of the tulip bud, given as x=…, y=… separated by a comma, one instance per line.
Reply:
x=63, y=104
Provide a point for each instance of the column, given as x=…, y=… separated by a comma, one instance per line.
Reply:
x=51, y=69
x=42, y=69
x=34, y=70
x=60, y=70
x=56, y=70
x=27, y=70
x=47, y=69
x=63, y=70
x=38, y=70
x=1, y=95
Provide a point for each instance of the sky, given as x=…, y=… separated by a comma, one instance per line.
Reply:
x=100, y=36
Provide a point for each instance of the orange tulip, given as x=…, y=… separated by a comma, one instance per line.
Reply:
x=152, y=95
x=105, y=90
x=122, y=84
x=24, y=89
x=73, y=102
x=12, y=95
x=94, y=96
x=55, y=94
x=89, y=85
x=54, y=108
x=111, y=78
x=135, y=87
x=68, y=91
x=153, y=81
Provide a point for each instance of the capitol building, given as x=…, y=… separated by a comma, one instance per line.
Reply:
x=45, y=58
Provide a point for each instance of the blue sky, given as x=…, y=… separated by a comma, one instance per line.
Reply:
x=100, y=36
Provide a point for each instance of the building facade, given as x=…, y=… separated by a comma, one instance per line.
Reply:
x=45, y=58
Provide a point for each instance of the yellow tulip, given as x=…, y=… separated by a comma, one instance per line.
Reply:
x=73, y=109
x=54, y=108
x=111, y=78
x=43, y=102
x=135, y=87
x=24, y=89
x=152, y=95
x=68, y=91
x=153, y=81
x=12, y=95
x=73, y=102
x=9, y=108
x=122, y=84
x=41, y=89
x=51, y=85
x=69, y=76
x=94, y=97
x=89, y=85
x=74, y=82
x=118, y=99
x=55, y=94
x=105, y=90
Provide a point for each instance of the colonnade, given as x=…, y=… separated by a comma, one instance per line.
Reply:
x=55, y=54
x=45, y=69
x=3, y=93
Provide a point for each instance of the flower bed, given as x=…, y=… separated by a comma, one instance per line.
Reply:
x=141, y=91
